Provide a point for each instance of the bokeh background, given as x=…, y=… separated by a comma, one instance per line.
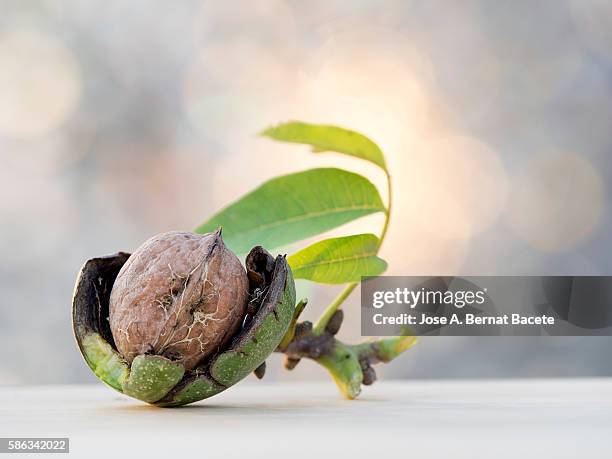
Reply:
x=119, y=120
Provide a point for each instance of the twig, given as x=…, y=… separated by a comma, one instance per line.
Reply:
x=349, y=365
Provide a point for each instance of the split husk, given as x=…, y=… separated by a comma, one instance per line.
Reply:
x=159, y=380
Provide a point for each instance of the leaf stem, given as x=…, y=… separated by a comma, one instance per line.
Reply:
x=383, y=233
x=335, y=305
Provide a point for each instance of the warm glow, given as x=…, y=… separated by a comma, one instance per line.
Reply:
x=40, y=83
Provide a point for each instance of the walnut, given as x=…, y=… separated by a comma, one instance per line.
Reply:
x=180, y=295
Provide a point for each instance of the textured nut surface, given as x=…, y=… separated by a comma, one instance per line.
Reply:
x=180, y=295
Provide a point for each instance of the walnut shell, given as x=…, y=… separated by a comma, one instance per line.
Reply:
x=180, y=295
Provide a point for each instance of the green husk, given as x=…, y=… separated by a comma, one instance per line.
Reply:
x=156, y=379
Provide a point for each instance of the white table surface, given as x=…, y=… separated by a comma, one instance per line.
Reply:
x=421, y=419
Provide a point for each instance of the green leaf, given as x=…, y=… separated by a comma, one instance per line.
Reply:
x=292, y=207
x=338, y=260
x=325, y=138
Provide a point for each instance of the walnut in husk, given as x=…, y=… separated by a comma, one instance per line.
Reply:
x=180, y=320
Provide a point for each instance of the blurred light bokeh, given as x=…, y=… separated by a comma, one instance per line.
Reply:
x=119, y=120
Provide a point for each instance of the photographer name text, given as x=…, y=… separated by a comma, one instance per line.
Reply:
x=466, y=319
